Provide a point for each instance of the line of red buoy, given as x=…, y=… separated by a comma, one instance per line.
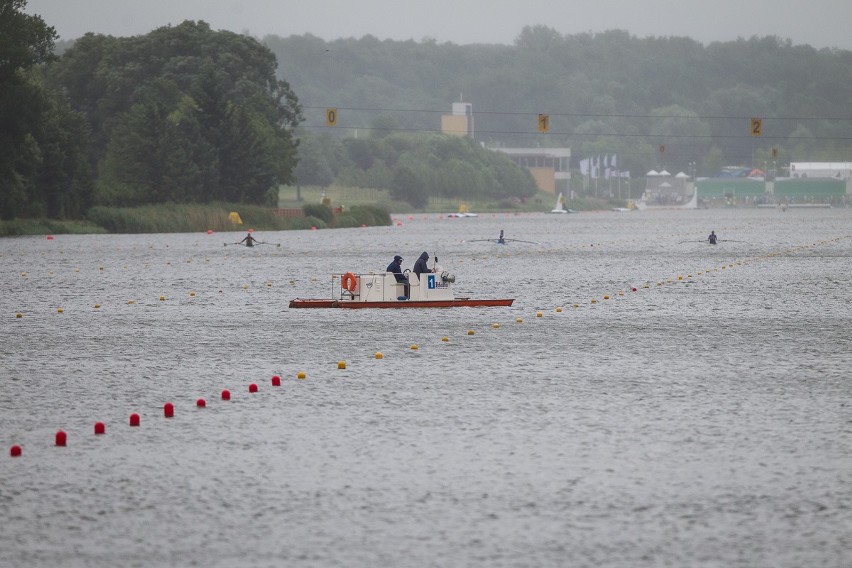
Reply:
x=61, y=438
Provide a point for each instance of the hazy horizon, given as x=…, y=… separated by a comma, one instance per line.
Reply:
x=821, y=24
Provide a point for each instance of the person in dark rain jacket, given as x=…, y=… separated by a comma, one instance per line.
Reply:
x=421, y=265
x=396, y=268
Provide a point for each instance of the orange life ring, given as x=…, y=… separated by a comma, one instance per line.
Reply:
x=349, y=281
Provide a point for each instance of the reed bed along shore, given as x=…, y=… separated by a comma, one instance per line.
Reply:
x=188, y=218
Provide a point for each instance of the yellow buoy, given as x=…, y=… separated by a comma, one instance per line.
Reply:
x=621, y=293
x=97, y=306
x=19, y=315
x=130, y=301
x=576, y=305
x=379, y=355
x=646, y=286
x=594, y=301
x=470, y=332
x=558, y=309
x=341, y=364
x=445, y=338
x=192, y=294
x=606, y=296
x=680, y=277
x=538, y=314
x=300, y=375
x=414, y=347
x=245, y=286
x=60, y=310
x=162, y=298
x=495, y=325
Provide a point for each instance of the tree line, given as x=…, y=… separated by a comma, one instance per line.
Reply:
x=186, y=114
x=657, y=102
x=183, y=114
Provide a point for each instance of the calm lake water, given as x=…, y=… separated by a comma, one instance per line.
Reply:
x=703, y=420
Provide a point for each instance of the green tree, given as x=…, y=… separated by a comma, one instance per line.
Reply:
x=25, y=41
x=408, y=186
x=183, y=114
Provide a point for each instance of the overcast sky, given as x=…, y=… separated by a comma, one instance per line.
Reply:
x=820, y=23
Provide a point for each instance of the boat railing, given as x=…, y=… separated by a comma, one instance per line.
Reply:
x=369, y=280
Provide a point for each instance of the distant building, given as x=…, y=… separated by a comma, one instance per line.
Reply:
x=834, y=170
x=548, y=166
x=460, y=122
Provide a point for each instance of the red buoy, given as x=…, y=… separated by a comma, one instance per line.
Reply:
x=209, y=231
x=276, y=381
x=15, y=451
x=134, y=419
x=169, y=410
x=61, y=438
x=226, y=394
x=633, y=289
x=100, y=428
x=252, y=387
x=50, y=237
x=200, y=403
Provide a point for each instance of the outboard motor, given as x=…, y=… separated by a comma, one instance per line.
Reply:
x=447, y=277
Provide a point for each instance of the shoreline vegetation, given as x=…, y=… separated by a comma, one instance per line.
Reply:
x=357, y=207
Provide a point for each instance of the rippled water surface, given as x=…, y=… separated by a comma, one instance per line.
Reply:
x=703, y=419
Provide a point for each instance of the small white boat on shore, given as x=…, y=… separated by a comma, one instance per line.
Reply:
x=560, y=206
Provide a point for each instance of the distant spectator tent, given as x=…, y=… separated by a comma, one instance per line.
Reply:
x=822, y=182
x=822, y=170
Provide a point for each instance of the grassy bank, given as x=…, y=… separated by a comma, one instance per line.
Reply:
x=351, y=196
x=195, y=218
x=361, y=206
x=17, y=227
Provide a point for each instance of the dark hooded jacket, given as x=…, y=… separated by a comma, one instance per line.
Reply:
x=420, y=266
x=396, y=268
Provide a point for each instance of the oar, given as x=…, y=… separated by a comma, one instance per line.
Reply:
x=731, y=241
x=520, y=241
x=681, y=242
x=276, y=244
x=226, y=244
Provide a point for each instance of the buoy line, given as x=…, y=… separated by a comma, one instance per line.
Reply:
x=61, y=437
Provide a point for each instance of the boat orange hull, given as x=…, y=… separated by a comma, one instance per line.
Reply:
x=454, y=303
